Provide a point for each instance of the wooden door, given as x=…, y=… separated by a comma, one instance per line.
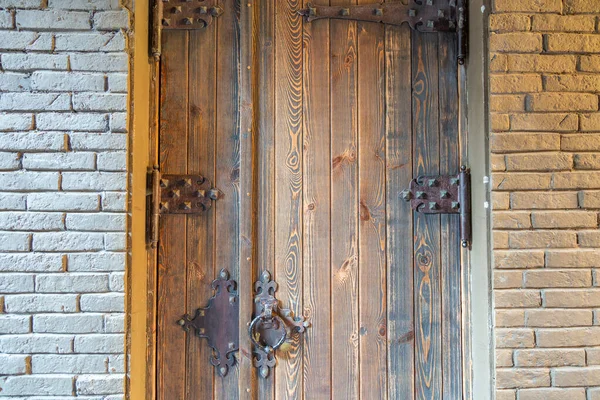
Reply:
x=343, y=114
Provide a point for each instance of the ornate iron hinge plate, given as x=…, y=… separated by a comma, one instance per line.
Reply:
x=218, y=323
x=420, y=15
x=444, y=194
x=186, y=194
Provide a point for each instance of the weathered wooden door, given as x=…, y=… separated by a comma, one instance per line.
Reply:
x=311, y=131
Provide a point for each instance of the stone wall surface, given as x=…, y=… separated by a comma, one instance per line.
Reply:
x=545, y=145
x=63, y=140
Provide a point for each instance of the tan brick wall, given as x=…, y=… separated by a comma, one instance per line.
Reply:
x=545, y=145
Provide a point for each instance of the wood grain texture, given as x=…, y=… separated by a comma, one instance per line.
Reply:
x=450, y=233
x=317, y=212
x=428, y=364
x=171, y=364
x=288, y=182
x=227, y=164
x=344, y=210
x=399, y=155
x=372, y=208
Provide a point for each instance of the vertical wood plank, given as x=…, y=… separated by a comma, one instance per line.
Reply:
x=265, y=180
x=372, y=225
x=401, y=329
x=344, y=200
x=227, y=165
x=201, y=227
x=288, y=182
x=450, y=229
x=427, y=227
x=172, y=235
x=316, y=169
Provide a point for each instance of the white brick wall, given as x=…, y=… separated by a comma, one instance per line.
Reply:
x=63, y=179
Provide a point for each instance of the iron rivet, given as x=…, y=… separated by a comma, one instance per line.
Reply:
x=345, y=11
x=420, y=195
x=181, y=322
x=166, y=22
x=176, y=10
x=431, y=182
x=201, y=331
x=430, y=24
x=433, y=205
x=406, y=195
x=378, y=11
x=175, y=193
x=200, y=193
x=188, y=21
x=455, y=205
x=412, y=12
x=452, y=3
x=216, y=11
x=454, y=181
x=451, y=24
x=202, y=10
x=441, y=13
x=231, y=345
x=186, y=205
x=164, y=206
x=444, y=194
x=312, y=11
x=465, y=243
x=164, y=182
x=429, y=2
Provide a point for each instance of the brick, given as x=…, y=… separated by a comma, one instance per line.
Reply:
x=586, y=142
x=508, y=279
x=29, y=221
x=564, y=23
x=92, y=262
x=589, y=238
x=568, y=337
x=83, y=4
x=517, y=298
x=111, y=20
x=98, y=141
x=558, y=278
x=563, y=102
x=500, y=122
x=573, y=42
x=67, y=241
x=15, y=122
x=14, y=82
x=572, y=298
x=543, y=200
x=60, y=161
x=114, y=323
x=587, y=161
x=115, y=241
x=579, y=180
x=99, y=384
x=564, y=219
x=512, y=42
x=31, y=262
x=497, y=162
x=504, y=358
x=502, y=103
x=541, y=6
x=515, y=83
x=12, y=202
x=549, y=357
x=514, y=338
x=99, y=344
x=539, y=162
x=13, y=364
x=34, y=61
x=118, y=122
x=542, y=239
x=37, y=385
x=46, y=141
x=588, y=376
x=524, y=142
x=518, y=259
x=118, y=83
x=63, y=202
x=556, y=318
x=35, y=343
x=70, y=323
x=581, y=6
x=67, y=81
x=544, y=122
x=25, y=41
x=11, y=324
x=71, y=121
x=10, y=161
x=521, y=181
x=33, y=303
x=500, y=201
x=541, y=63
x=509, y=22
x=16, y=283
x=100, y=102
x=572, y=83
x=593, y=356
x=35, y=101
x=52, y=19
x=15, y=241
x=110, y=302
x=590, y=122
x=68, y=364
x=117, y=282
x=96, y=222
x=506, y=394
x=510, y=318
x=589, y=63
x=29, y=181
x=90, y=42
x=511, y=220
x=117, y=62
x=580, y=258
x=522, y=377
x=500, y=239
x=94, y=181
x=498, y=62
x=69, y=282
x=552, y=394
x=589, y=199
x=112, y=161
x=116, y=363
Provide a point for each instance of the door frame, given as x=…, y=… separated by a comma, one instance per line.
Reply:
x=140, y=338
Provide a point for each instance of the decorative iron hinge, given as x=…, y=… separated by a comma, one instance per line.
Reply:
x=444, y=194
x=420, y=15
x=176, y=194
x=181, y=14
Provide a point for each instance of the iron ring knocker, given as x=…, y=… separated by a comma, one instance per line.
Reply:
x=255, y=323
